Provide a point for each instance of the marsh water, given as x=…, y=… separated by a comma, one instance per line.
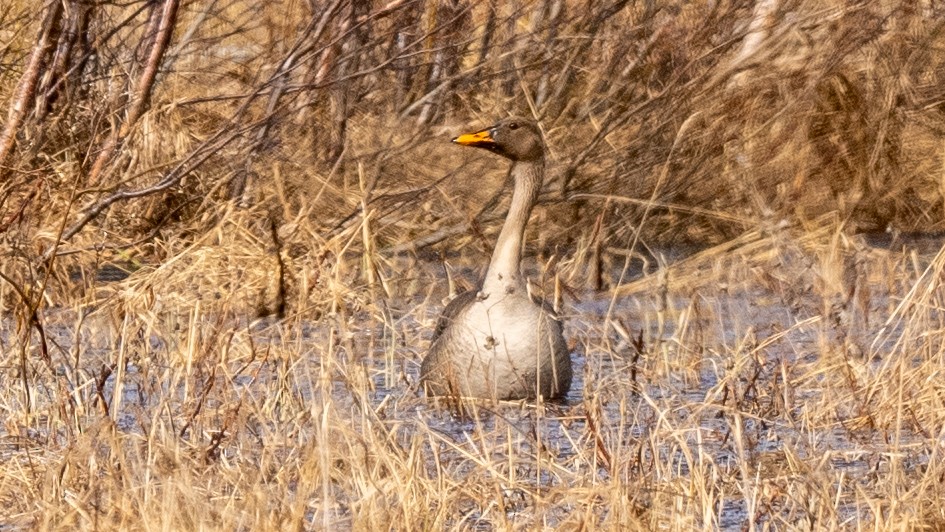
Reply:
x=712, y=368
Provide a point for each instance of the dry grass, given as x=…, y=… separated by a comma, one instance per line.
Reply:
x=293, y=219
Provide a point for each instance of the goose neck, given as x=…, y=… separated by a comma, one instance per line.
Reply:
x=504, y=274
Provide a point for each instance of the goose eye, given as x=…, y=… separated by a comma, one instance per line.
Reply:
x=513, y=125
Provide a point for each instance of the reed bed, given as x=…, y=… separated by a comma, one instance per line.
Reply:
x=226, y=233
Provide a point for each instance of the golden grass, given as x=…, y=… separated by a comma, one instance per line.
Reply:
x=257, y=369
x=735, y=405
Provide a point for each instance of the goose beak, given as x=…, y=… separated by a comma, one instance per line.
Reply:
x=479, y=139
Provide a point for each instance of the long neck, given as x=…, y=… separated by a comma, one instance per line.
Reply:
x=505, y=267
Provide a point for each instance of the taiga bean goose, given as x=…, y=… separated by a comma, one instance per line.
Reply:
x=497, y=342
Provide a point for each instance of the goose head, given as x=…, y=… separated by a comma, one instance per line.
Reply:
x=515, y=138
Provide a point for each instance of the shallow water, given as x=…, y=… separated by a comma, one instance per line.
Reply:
x=718, y=412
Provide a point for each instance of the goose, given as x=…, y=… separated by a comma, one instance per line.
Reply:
x=497, y=342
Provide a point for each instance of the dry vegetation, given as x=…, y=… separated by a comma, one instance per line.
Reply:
x=278, y=183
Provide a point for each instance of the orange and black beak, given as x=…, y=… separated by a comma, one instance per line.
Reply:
x=479, y=139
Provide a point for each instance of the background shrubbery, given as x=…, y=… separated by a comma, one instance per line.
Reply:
x=134, y=129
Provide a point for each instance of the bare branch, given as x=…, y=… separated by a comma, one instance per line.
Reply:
x=23, y=100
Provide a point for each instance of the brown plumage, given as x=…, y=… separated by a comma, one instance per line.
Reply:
x=497, y=342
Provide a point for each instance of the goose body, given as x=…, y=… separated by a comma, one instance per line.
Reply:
x=496, y=342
